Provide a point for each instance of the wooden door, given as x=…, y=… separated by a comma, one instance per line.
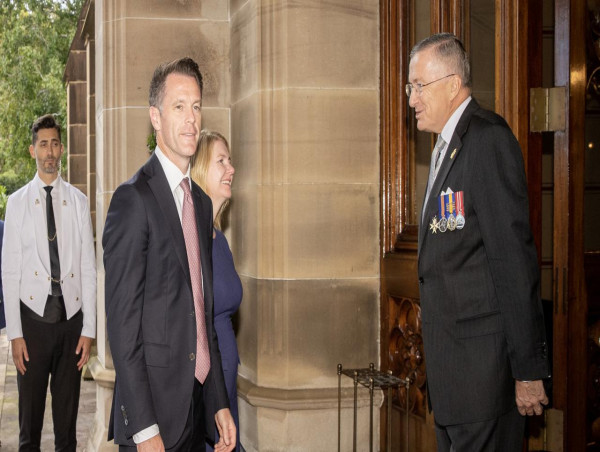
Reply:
x=503, y=38
x=591, y=219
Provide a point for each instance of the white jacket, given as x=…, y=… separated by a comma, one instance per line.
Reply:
x=26, y=256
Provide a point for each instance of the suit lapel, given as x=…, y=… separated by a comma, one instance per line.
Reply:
x=66, y=206
x=37, y=207
x=157, y=181
x=454, y=148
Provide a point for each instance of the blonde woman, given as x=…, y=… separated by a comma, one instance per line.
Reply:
x=212, y=170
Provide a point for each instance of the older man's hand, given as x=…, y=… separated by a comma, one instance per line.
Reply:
x=531, y=397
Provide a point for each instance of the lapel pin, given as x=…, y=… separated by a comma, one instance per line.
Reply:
x=453, y=154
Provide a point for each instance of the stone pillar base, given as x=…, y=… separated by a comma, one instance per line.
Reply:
x=290, y=420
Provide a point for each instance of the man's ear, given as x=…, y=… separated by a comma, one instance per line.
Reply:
x=155, y=117
x=455, y=86
x=32, y=151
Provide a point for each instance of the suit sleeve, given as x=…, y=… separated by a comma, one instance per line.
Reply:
x=502, y=210
x=11, y=274
x=217, y=381
x=125, y=242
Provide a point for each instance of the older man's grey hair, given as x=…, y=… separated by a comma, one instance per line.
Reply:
x=450, y=50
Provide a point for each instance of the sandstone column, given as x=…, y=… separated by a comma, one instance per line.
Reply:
x=305, y=216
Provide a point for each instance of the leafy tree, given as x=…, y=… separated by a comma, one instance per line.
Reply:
x=35, y=36
x=3, y=199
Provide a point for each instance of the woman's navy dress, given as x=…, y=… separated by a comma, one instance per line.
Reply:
x=227, y=289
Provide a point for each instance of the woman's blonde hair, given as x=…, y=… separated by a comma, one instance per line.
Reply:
x=201, y=161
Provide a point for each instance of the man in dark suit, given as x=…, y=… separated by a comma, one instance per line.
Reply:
x=158, y=290
x=483, y=328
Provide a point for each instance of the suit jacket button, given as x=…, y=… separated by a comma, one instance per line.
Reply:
x=192, y=356
x=48, y=278
x=31, y=297
x=72, y=275
x=35, y=273
x=122, y=408
x=126, y=422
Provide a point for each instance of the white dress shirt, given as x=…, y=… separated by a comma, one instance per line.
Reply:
x=55, y=202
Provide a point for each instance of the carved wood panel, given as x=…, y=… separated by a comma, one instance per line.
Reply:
x=406, y=353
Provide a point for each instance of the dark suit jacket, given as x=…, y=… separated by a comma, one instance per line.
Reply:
x=151, y=323
x=481, y=310
x=2, y=315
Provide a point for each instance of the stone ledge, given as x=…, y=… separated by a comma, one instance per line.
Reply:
x=103, y=377
x=305, y=399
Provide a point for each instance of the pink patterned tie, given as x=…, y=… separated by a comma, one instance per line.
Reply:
x=192, y=245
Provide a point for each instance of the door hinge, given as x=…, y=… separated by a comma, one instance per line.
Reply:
x=547, y=109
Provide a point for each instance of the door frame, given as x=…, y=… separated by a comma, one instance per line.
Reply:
x=570, y=297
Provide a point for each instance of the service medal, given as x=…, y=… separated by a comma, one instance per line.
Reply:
x=451, y=222
x=450, y=203
x=443, y=225
x=460, y=208
x=434, y=225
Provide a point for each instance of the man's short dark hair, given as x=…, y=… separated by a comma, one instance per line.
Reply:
x=184, y=66
x=44, y=122
x=451, y=51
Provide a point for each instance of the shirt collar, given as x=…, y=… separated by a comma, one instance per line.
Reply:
x=41, y=184
x=174, y=174
x=448, y=129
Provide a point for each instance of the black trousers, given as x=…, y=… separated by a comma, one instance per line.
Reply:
x=51, y=348
x=193, y=438
x=503, y=434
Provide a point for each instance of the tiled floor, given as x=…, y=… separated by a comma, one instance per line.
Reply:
x=9, y=424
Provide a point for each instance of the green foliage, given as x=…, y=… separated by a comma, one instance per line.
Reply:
x=35, y=36
x=151, y=142
x=12, y=181
x=3, y=199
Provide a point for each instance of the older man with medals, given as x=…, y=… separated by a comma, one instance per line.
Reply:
x=483, y=328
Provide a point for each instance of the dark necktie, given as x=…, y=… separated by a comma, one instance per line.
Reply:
x=53, y=244
x=192, y=246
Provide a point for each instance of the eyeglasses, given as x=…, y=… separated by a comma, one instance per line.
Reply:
x=418, y=87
